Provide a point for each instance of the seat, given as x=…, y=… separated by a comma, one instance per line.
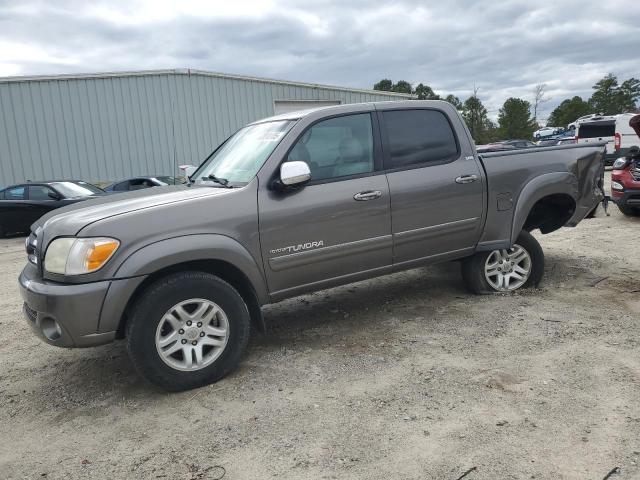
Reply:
x=353, y=159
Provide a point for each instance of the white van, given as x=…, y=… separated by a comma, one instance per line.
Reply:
x=613, y=129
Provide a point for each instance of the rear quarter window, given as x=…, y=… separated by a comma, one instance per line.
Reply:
x=596, y=130
x=417, y=137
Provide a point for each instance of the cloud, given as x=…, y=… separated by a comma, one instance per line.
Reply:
x=502, y=48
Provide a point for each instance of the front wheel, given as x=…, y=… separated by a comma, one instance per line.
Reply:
x=187, y=330
x=505, y=270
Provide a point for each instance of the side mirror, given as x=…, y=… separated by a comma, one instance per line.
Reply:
x=54, y=196
x=188, y=169
x=294, y=173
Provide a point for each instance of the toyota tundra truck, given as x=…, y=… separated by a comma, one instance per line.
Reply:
x=293, y=204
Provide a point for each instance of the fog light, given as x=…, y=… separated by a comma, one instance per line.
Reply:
x=616, y=186
x=50, y=328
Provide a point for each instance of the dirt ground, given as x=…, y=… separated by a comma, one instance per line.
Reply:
x=406, y=376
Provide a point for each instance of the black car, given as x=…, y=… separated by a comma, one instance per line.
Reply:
x=138, y=183
x=23, y=204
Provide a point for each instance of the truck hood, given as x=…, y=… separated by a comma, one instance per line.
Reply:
x=71, y=219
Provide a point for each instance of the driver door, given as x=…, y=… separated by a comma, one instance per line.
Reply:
x=337, y=228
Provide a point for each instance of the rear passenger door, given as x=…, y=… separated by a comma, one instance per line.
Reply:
x=437, y=191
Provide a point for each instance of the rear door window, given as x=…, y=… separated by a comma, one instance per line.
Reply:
x=15, y=193
x=40, y=193
x=596, y=130
x=418, y=137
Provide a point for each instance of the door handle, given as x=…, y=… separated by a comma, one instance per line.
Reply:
x=368, y=195
x=466, y=178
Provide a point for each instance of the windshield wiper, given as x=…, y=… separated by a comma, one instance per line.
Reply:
x=221, y=181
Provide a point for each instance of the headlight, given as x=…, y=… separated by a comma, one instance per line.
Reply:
x=616, y=186
x=620, y=163
x=75, y=256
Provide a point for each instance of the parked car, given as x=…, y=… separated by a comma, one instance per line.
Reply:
x=503, y=145
x=518, y=143
x=546, y=132
x=547, y=142
x=573, y=125
x=612, y=129
x=494, y=147
x=23, y=204
x=291, y=204
x=138, y=183
x=625, y=177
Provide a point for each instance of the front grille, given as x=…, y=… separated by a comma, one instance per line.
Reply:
x=635, y=173
x=31, y=313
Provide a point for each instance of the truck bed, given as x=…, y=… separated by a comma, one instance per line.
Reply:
x=517, y=178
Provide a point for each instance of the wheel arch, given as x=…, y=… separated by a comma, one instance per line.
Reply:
x=547, y=202
x=222, y=269
x=215, y=254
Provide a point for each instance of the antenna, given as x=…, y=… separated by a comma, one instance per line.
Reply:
x=173, y=136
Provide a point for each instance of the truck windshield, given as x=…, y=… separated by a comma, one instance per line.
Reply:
x=238, y=160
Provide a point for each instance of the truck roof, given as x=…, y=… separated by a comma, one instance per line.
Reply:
x=348, y=107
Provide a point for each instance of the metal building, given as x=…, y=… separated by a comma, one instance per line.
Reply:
x=102, y=127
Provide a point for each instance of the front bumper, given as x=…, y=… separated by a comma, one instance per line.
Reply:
x=64, y=315
x=630, y=198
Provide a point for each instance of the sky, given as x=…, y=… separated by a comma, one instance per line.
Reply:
x=502, y=48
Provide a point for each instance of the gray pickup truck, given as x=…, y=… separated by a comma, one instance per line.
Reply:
x=293, y=204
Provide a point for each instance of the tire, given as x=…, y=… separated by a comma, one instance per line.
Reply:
x=474, y=267
x=170, y=309
x=629, y=211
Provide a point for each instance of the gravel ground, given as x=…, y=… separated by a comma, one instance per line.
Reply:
x=406, y=376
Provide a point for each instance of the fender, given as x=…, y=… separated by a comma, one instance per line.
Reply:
x=540, y=187
x=173, y=251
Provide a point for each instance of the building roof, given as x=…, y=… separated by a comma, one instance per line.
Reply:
x=188, y=71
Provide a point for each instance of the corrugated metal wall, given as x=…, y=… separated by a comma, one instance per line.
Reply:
x=104, y=128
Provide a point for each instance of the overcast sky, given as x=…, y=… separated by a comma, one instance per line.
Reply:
x=503, y=47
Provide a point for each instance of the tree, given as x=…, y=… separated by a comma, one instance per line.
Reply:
x=538, y=99
x=455, y=101
x=385, y=85
x=475, y=115
x=402, y=87
x=425, y=92
x=604, y=99
x=568, y=111
x=609, y=98
x=514, y=119
x=629, y=93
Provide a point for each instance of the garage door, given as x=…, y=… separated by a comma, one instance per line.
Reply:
x=286, y=106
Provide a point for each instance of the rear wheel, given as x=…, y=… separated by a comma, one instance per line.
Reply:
x=629, y=211
x=187, y=330
x=505, y=270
